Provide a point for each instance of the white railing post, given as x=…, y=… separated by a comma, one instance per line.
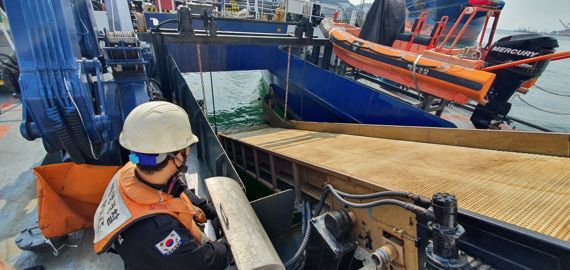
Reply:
x=256, y=11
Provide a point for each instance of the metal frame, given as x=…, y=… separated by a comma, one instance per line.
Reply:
x=472, y=12
x=494, y=242
x=240, y=38
x=504, y=245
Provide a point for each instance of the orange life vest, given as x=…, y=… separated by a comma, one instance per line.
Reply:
x=127, y=200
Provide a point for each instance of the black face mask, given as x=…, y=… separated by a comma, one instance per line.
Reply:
x=178, y=180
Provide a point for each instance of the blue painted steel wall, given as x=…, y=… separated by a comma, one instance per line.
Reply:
x=314, y=94
x=234, y=25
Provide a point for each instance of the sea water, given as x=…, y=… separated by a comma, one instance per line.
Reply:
x=238, y=95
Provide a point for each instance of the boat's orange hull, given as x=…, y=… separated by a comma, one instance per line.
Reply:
x=445, y=80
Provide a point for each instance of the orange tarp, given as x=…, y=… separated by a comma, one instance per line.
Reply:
x=68, y=195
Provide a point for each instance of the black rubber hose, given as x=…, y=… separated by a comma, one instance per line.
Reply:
x=157, y=28
x=97, y=5
x=411, y=207
x=65, y=137
x=11, y=57
x=8, y=70
x=303, y=218
x=373, y=195
x=304, y=242
x=78, y=133
x=10, y=67
x=408, y=206
x=416, y=198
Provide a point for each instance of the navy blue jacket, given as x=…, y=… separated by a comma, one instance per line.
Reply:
x=137, y=246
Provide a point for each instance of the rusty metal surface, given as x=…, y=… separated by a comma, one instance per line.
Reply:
x=530, y=191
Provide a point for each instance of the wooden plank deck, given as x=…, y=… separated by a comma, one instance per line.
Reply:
x=527, y=190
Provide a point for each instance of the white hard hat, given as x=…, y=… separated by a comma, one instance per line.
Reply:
x=157, y=127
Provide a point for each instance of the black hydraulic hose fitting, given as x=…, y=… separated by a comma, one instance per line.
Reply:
x=339, y=223
x=442, y=251
x=445, y=209
x=420, y=200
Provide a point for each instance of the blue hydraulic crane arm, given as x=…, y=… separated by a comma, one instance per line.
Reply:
x=69, y=100
x=87, y=29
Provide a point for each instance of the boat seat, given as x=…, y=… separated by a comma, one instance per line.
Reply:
x=406, y=36
x=420, y=39
x=418, y=45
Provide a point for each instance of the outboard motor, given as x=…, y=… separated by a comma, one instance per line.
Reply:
x=508, y=80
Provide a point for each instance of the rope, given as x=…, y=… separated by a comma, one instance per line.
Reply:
x=55, y=251
x=204, y=106
x=552, y=93
x=541, y=109
x=414, y=67
x=212, y=92
x=287, y=83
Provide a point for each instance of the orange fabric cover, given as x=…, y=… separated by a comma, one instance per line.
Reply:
x=142, y=200
x=68, y=195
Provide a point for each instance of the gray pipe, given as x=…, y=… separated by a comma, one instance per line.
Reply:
x=249, y=242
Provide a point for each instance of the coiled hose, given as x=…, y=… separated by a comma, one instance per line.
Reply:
x=290, y=264
x=303, y=217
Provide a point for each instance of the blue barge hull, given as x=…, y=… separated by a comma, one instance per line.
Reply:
x=315, y=94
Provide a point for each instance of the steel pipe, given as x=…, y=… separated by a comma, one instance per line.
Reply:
x=249, y=242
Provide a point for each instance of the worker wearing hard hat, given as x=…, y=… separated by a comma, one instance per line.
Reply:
x=147, y=215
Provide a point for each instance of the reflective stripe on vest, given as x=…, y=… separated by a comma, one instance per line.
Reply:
x=127, y=200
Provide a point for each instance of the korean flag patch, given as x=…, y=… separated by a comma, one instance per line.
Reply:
x=169, y=244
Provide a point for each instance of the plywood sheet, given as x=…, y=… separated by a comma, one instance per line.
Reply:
x=531, y=191
x=554, y=144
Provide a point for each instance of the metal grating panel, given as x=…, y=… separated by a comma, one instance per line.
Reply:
x=530, y=191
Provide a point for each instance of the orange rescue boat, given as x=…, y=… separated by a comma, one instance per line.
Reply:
x=427, y=65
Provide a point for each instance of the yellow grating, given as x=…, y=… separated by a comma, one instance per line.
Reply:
x=531, y=191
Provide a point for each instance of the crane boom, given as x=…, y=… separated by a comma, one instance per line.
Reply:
x=563, y=24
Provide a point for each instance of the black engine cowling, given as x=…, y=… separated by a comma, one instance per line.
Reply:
x=509, y=49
